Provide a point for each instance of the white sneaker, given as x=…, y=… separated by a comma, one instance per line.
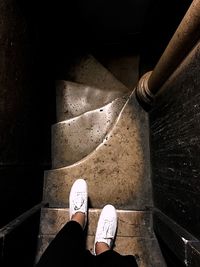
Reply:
x=107, y=225
x=78, y=198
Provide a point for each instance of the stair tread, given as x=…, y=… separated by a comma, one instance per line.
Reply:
x=134, y=236
x=75, y=138
x=74, y=99
x=91, y=72
x=130, y=223
x=118, y=170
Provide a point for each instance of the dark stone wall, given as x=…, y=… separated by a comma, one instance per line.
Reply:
x=175, y=145
x=26, y=110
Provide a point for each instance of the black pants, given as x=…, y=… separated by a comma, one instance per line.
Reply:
x=68, y=249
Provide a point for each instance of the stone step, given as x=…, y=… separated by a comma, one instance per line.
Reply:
x=117, y=171
x=134, y=235
x=75, y=138
x=89, y=71
x=124, y=67
x=73, y=99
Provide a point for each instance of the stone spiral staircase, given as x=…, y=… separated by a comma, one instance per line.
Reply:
x=101, y=136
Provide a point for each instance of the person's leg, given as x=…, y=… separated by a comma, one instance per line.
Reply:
x=68, y=247
x=101, y=247
x=111, y=258
x=106, y=230
x=104, y=238
x=65, y=247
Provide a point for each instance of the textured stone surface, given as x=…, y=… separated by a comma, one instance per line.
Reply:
x=130, y=223
x=134, y=236
x=117, y=172
x=73, y=99
x=89, y=71
x=75, y=138
x=175, y=128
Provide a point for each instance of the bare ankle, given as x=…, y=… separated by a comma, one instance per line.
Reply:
x=79, y=217
x=101, y=247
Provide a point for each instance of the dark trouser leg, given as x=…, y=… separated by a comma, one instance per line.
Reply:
x=111, y=258
x=67, y=248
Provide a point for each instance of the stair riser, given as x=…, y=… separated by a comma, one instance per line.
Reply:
x=74, y=139
x=90, y=72
x=130, y=223
x=74, y=99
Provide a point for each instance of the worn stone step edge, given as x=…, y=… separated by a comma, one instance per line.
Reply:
x=73, y=99
x=105, y=137
x=74, y=139
x=130, y=223
x=88, y=70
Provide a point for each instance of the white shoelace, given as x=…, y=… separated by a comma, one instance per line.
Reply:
x=79, y=201
x=106, y=231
